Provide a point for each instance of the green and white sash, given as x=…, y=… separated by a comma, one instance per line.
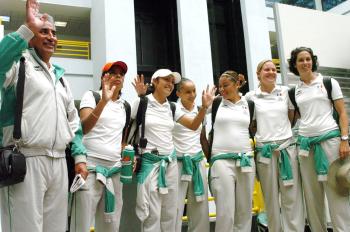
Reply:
x=191, y=171
x=151, y=161
x=103, y=175
x=285, y=168
x=320, y=157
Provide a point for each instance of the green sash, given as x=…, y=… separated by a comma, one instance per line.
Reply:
x=320, y=157
x=149, y=162
x=285, y=168
x=244, y=159
x=191, y=171
x=104, y=175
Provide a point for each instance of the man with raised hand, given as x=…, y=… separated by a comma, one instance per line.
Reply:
x=49, y=122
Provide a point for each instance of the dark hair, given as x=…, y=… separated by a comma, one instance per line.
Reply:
x=234, y=77
x=182, y=81
x=293, y=59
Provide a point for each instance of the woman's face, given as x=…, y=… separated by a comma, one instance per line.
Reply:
x=187, y=92
x=164, y=85
x=304, y=62
x=117, y=77
x=268, y=74
x=227, y=88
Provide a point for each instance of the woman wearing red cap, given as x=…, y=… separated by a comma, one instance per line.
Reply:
x=103, y=118
x=156, y=204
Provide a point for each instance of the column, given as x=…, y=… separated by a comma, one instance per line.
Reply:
x=194, y=40
x=113, y=38
x=256, y=36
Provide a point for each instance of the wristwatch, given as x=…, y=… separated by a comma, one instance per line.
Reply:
x=344, y=138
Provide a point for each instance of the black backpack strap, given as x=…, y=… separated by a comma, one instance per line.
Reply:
x=141, y=118
x=17, y=133
x=291, y=94
x=62, y=82
x=214, y=110
x=173, y=108
x=127, y=119
x=251, y=107
x=327, y=82
x=97, y=96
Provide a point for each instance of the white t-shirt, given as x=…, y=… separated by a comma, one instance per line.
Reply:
x=231, y=132
x=315, y=108
x=271, y=114
x=186, y=140
x=159, y=125
x=105, y=138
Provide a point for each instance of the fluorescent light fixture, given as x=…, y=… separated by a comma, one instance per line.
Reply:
x=60, y=24
x=5, y=18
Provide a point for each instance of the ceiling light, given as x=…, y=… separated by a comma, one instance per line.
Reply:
x=5, y=18
x=60, y=24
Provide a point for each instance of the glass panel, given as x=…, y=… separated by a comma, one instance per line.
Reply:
x=302, y=3
x=328, y=4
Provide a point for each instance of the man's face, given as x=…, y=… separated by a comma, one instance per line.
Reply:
x=45, y=40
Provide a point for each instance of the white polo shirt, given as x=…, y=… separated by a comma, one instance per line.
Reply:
x=159, y=125
x=186, y=140
x=315, y=108
x=105, y=138
x=231, y=127
x=271, y=114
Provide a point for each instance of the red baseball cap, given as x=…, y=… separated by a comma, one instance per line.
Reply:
x=121, y=64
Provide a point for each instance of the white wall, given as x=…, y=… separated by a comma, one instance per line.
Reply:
x=78, y=73
x=256, y=36
x=113, y=38
x=194, y=41
x=326, y=33
x=77, y=3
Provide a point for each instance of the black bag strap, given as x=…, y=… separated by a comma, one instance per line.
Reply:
x=141, y=115
x=327, y=82
x=17, y=133
x=97, y=96
x=214, y=110
x=173, y=108
x=291, y=95
x=251, y=107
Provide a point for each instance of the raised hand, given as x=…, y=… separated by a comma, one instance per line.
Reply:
x=139, y=85
x=208, y=96
x=107, y=88
x=33, y=21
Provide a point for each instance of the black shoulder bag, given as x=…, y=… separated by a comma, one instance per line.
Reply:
x=12, y=162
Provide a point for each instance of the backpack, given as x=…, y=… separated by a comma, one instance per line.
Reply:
x=327, y=82
x=127, y=108
x=135, y=139
x=214, y=110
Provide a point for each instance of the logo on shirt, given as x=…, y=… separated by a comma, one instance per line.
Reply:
x=245, y=109
x=298, y=92
x=38, y=68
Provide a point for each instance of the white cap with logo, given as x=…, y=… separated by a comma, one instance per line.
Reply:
x=165, y=73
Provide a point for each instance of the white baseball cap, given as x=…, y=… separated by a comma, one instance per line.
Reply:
x=165, y=73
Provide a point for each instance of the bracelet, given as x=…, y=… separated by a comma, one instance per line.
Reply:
x=94, y=115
